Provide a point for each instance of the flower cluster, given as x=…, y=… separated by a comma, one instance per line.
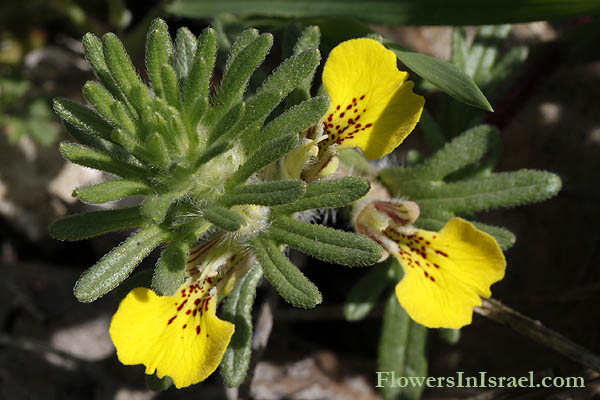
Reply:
x=248, y=191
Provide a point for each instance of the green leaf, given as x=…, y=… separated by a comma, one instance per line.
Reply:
x=110, y=191
x=155, y=207
x=169, y=273
x=91, y=158
x=116, y=265
x=170, y=86
x=95, y=223
x=459, y=153
x=111, y=149
x=401, y=351
x=101, y=99
x=224, y=218
x=212, y=152
x=505, y=189
x=92, y=47
x=292, y=72
x=309, y=39
x=271, y=151
x=157, y=384
x=241, y=42
x=238, y=310
x=444, y=75
x=227, y=122
x=327, y=244
x=366, y=292
x=82, y=118
x=328, y=193
x=395, y=12
x=159, y=51
x=287, y=279
x=294, y=120
x=236, y=78
x=185, y=50
x=265, y=194
x=119, y=64
x=198, y=82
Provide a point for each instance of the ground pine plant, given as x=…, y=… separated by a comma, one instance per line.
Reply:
x=230, y=177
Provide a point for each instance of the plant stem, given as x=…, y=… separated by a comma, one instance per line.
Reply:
x=534, y=330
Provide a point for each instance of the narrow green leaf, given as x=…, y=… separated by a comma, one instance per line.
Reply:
x=116, y=265
x=157, y=147
x=102, y=145
x=395, y=12
x=265, y=194
x=101, y=100
x=309, y=39
x=271, y=151
x=294, y=120
x=92, y=47
x=185, y=50
x=170, y=86
x=212, y=152
x=287, y=279
x=327, y=244
x=236, y=78
x=119, y=64
x=402, y=351
x=159, y=51
x=503, y=189
x=95, y=223
x=227, y=122
x=82, y=118
x=238, y=310
x=460, y=152
x=328, y=193
x=111, y=190
x=198, y=82
x=444, y=75
x=292, y=72
x=224, y=218
x=91, y=158
x=169, y=273
x=155, y=207
x=366, y=292
x=241, y=42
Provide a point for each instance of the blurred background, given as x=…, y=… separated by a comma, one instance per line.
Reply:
x=547, y=106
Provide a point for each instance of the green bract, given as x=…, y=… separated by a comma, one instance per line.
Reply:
x=202, y=161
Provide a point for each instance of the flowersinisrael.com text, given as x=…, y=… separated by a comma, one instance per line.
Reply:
x=482, y=380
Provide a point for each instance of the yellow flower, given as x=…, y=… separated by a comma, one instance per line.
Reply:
x=445, y=273
x=178, y=336
x=372, y=104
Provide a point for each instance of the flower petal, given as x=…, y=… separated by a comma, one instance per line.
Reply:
x=445, y=273
x=372, y=105
x=178, y=336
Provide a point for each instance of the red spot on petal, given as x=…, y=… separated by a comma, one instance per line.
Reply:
x=184, y=325
x=182, y=304
x=342, y=115
x=171, y=320
x=368, y=125
x=362, y=97
x=197, y=301
x=426, y=274
x=437, y=266
x=441, y=253
x=349, y=107
x=432, y=279
x=197, y=329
